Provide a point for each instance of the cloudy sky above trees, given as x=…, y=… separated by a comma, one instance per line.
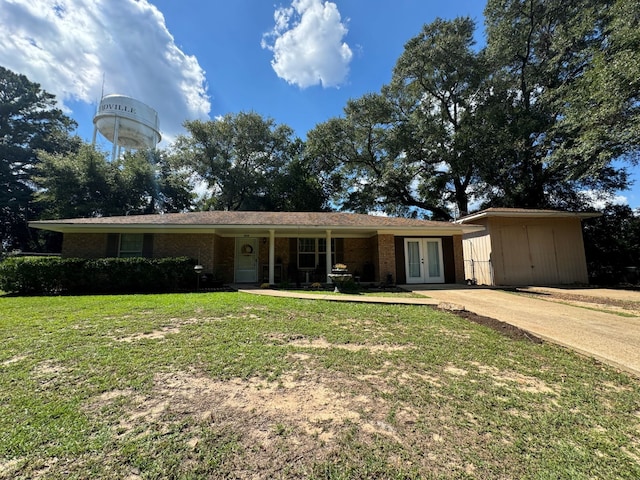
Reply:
x=297, y=62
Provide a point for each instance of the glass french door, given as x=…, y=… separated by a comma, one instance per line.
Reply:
x=423, y=260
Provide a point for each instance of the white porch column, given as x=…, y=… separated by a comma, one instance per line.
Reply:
x=272, y=256
x=328, y=254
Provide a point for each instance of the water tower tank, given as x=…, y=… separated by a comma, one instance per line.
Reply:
x=127, y=123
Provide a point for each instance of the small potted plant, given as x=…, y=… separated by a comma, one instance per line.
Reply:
x=339, y=268
x=339, y=276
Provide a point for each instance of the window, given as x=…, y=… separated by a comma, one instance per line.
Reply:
x=312, y=253
x=131, y=245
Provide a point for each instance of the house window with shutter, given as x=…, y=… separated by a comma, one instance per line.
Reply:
x=131, y=245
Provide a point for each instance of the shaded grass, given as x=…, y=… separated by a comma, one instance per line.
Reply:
x=365, y=293
x=83, y=393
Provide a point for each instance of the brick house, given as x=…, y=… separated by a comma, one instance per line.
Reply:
x=298, y=247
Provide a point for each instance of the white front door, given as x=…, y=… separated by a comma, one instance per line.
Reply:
x=246, y=260
x=423, y=260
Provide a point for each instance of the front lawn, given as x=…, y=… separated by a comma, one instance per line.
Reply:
x=231, y=385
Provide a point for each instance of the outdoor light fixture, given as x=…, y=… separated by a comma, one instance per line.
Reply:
x=198, y=269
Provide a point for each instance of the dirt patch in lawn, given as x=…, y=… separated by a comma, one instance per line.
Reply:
x=321, y=343
x=154, y=335
x=286, y=425
x=280, y=423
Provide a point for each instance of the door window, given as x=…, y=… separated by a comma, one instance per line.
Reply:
x=423, y=260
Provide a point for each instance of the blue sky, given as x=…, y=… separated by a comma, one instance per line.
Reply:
x=297, y=62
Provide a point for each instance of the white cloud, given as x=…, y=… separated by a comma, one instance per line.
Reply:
x=307, y=44
x=599, y=201
x=69, y=46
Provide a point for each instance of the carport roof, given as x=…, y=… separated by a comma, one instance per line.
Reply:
x=525, y=213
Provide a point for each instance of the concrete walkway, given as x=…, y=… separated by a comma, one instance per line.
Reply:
x=342, y=297
x=610, y=338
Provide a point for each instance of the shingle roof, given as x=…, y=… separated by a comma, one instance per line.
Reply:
x=325, y=219
x=237, y=219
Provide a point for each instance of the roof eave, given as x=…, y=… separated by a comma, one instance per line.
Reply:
x=531, y=214
x=71, y=227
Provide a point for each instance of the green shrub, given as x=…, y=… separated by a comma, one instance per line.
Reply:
x=55, y=275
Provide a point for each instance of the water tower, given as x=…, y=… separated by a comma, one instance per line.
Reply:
x=126, y=123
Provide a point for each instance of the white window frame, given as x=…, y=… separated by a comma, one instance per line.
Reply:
x=320, y=248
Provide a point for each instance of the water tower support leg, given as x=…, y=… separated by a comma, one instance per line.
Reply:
x=115, y=139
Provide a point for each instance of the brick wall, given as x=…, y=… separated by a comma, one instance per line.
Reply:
x=199, y=246
x=84, y=245
x=223, y=258
x=281, y=258
x=386, y=257
x=281, y=251
x=358, y=252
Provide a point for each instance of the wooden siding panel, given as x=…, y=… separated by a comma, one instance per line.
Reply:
x=538, y=251
x=458, y=258
x=543, y=254
x=478, y=260
x=572, y=262
x=113, y=245
x=516, y=259
x=449, y=260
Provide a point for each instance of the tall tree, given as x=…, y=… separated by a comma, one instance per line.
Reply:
x=437, y=82
x=79, y=184
x=612, y=245
x=539, y=51
x=29, y=121
x=405, y=150
x=242, y=159
x=601, y=109
x=86, y=184
x=152, y=184
x=356, y=155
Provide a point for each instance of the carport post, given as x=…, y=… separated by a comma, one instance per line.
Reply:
x=272, y=256
x=328, y=262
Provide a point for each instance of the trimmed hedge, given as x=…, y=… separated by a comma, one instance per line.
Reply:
x=55, y=275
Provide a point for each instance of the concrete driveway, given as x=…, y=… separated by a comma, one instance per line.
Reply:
x=611, y=338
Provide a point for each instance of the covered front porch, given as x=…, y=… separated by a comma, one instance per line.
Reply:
x=379, y=258
x=305, y=258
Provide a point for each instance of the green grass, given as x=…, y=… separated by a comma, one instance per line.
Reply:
x=230, y=385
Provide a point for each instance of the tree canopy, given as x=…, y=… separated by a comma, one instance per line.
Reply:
x=29, y=121
x=86, y=184
x=404, y=148
x=526, y=121
x=248, y=162
x=539, y=52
